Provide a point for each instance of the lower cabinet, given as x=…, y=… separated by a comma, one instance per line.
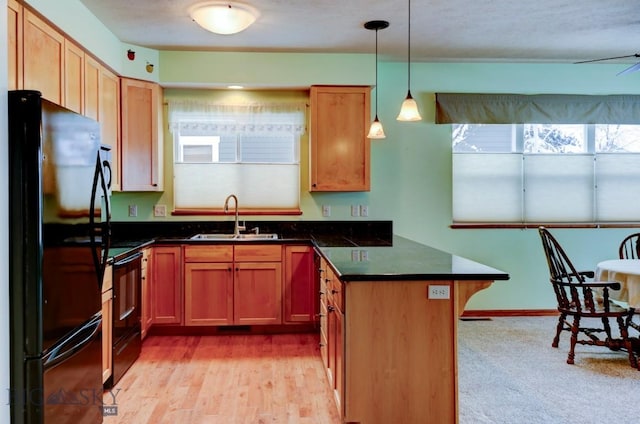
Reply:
x=233, y=285
x=166, y=290
x=331, y=331
x=146, y=318
x=107, y=322
x=300, y=285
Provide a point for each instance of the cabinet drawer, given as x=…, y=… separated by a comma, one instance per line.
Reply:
x=208, y=253
x=258, y=253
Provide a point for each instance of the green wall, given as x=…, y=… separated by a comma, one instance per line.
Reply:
x=411, y=168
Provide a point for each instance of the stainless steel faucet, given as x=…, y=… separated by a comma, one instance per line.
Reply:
x=237, y=227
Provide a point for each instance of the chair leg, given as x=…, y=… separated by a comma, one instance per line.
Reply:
x=607, y=327
x=574, y=338
x=559, y=328
x=627, y=343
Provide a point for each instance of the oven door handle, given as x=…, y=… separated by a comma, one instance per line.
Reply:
x=127, y=313
x=127, y=260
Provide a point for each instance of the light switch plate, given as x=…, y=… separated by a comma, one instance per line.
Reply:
x=326, y=210
x=133, y=210
x=355, y=210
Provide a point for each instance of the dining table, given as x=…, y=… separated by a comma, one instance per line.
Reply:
x=627, y=273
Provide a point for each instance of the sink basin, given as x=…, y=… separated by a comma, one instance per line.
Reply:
x=250, y=236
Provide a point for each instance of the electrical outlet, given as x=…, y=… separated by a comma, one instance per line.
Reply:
x=160, y=210
x=438, y=292
x=133, y=210
x=364, y=255
x=355, y=210
x=364, y=210
x=355, y=256
x=326, y=210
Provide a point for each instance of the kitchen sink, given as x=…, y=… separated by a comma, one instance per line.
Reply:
x=246, y=237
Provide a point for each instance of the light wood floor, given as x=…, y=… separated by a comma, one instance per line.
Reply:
x=228, y=379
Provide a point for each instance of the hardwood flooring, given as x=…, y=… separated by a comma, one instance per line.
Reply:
x=226, y=379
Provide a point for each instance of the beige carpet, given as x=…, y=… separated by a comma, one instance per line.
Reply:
x=509, y=373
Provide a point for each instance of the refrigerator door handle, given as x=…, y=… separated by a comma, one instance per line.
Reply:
x=73, y=343
x=100, y=262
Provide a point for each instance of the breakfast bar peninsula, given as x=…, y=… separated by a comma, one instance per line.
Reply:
x=388, y=322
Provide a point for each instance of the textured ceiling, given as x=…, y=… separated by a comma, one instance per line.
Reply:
x=441, y=30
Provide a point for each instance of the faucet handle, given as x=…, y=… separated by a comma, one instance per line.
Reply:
x=255, y=230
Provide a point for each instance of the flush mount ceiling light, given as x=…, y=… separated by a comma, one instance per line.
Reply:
x=223, y=17
x=409, y=108
x=376, y=130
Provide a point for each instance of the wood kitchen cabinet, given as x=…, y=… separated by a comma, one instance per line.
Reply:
x=339, y=147
x=107, y=323
x=109, y=118
x=166, y=290
x=233, y=285
x=145, y=274
x=300, y=285
x=208, y=285
x=141, y=135
x=91, y=88
x=14, y=44
x=43, y=66
x=331, y=331
x=74, y=74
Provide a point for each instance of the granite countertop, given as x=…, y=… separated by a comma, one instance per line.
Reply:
x=404, y=260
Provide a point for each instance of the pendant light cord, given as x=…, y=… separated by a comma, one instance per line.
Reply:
x=376, y=73
x=409, y=51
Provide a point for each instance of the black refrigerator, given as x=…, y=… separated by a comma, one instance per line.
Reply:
x=58, y=244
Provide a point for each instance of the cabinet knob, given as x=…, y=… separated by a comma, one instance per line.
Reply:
x=321, y=292
x=154, y=185
x=334, y=291
x=330, y=308
x=321, y=344
x=320, y=315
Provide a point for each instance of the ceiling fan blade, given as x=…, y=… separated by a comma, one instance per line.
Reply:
x=608, y=58
x=632, y=68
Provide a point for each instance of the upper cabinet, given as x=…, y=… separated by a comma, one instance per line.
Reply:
x=73, y=77
x=141, y=135
x=14, y=44
x=109, y=118
x=43, y=66
x=339, y=148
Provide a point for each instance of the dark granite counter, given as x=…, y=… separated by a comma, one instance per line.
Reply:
x=403, y=260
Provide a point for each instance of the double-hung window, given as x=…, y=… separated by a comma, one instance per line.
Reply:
x=252, y=151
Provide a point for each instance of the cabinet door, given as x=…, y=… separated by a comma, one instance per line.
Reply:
x=43, y=65
x=73, y=77
x=107, y=323
x=107, y=342
x=145, y=271
x=141, y=136
x=14, y=44
x=300, y=291
x=340, y=148
x=208, y=293
x=166, y=292
x=109, y=118
x=257, y=293
x=91, y=88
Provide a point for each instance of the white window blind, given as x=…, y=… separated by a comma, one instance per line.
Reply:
x=546, y=173
x=251, y=151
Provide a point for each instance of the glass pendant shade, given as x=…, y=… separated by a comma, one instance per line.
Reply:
x=409, y=110
x=376, y=130
x=223, y=17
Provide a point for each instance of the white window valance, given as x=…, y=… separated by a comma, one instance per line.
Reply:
x=193, y=117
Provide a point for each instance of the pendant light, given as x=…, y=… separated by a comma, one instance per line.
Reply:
x=376, y=130
x=409, y=110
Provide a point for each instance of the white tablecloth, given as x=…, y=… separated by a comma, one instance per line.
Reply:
x=627, y=273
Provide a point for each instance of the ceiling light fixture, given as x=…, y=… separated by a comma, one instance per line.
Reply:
x=409, y=110
x=223, y=17
x=376, y=130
